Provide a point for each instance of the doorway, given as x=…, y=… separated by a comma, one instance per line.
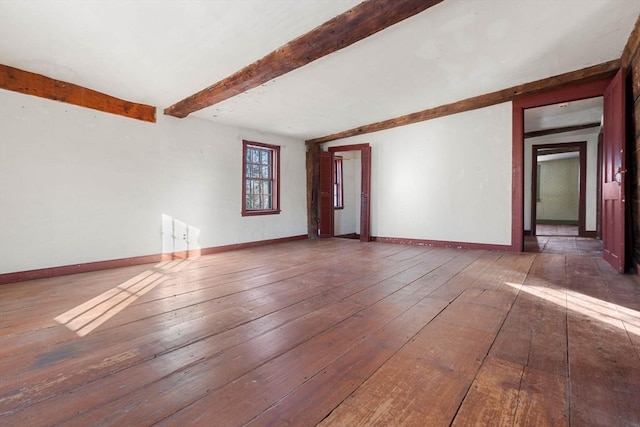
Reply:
x=347, y=170
x=327, y=199
x=613, y=161
x=559, y=190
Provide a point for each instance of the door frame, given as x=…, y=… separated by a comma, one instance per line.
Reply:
x=566, y=94
x=582, y=194
x=365, y=185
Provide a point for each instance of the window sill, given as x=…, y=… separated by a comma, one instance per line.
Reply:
x=257, y=213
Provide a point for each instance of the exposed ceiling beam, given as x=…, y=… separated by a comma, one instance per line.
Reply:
x=595, y=72
x=34, y=84
x=630, y=51
x=365, y=19
x=543, y=132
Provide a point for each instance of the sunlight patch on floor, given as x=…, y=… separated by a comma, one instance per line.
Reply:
x=606, y=312
x=88, y=316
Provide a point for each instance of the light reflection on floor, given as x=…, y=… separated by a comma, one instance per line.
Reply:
x=86, y=317
x=609, y=313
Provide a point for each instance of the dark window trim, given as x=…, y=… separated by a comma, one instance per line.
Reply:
x=275, y=179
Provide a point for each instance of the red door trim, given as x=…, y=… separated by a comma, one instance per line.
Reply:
x=571, y=93
x=352, y=147
x=582, y=204
x=325, y=199
x=365, y=204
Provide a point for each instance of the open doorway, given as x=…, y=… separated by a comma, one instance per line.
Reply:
x=359, y=224
x=561, y=175
x=612, y=164
x=559, y=189
x=347, y=182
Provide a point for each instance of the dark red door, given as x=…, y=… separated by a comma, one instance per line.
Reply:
x=613, y=174
x=325, y=201
x=365, y=202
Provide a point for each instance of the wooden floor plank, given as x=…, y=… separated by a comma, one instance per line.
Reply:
x=493, y=397
x=309, y=359
x=330, y=332
x=182, y=386
x=605, y=371
x=424, y=382
x=317, y=397
x=542, y=400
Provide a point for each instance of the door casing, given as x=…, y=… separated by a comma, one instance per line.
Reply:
x=582, y=149
x=365, y=190
x=566, y=94
x=575, y=92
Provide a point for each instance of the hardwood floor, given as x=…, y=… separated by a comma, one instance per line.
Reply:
x=563, y=245
x=332, y=332
x=556, y=230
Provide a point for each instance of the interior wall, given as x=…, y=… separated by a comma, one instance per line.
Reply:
x=633, y=121
x=591, y=137
x=559, y=190
x=446, y=179
x=78, y=186
x=347, y=220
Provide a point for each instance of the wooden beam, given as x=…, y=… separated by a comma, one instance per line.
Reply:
x=313, y=187
x=543, y=132
x=631, y=61
x=631, y=48
x=588, y=74
x=365, y=19
x=45, y=87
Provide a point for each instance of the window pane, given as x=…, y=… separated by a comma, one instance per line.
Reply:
x=260, y=187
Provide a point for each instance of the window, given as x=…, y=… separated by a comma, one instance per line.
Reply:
x=260, y=179
x=338, y=199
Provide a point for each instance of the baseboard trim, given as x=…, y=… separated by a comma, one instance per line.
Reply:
x=589, y=234
x=45, y=273
x=247, y=245
x=348, y=236
x=441, y=243
x=557, y=222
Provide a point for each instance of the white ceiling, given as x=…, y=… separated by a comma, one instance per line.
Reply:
x=565, y=114
x=160, y=51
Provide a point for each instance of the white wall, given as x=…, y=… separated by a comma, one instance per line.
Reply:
x=445, y=179
x=347, y=220
x=559, y=190
x=78, y=185
x=591, y=137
